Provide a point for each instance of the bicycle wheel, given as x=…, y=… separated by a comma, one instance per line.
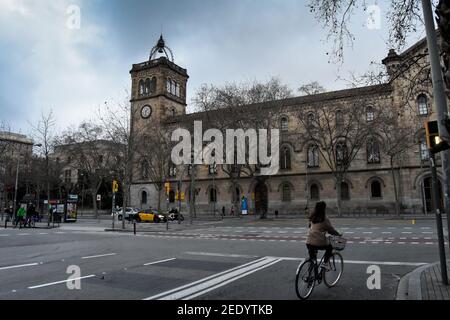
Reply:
x=331, y=277
x=305, y=279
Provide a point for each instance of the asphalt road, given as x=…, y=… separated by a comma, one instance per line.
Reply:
x=233, y=260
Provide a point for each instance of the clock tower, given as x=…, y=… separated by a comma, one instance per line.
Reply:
x=158, y=88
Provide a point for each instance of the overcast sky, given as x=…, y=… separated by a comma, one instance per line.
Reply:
x=46, y=65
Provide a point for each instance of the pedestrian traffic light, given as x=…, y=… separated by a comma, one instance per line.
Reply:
x=434, y=142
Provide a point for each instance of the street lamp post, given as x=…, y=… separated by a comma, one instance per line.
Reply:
x=17, y=177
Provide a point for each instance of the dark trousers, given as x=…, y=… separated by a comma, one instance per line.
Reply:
x=312, y=250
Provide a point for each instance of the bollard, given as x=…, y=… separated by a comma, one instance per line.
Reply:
x=6, y=223
x=134, y=228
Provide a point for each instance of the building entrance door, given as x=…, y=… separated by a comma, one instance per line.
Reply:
x=428, y=195
x=261, y=198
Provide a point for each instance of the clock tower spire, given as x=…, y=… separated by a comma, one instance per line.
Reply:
x=158, y=87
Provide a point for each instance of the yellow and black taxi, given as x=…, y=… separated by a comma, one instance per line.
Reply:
x=150, y=215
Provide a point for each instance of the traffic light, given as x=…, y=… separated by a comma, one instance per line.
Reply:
x=115, y=186
x=167, y=187
x=434, y=142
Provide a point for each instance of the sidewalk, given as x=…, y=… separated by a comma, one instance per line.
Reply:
x=424, y=283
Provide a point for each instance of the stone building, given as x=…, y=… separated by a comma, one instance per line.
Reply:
x=159, y=99
x=15, y=154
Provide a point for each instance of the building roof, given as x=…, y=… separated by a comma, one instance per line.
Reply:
x=15, y=138
x=293, y=102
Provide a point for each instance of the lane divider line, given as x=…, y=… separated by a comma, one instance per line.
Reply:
x=59, y=282
x=156, y=262
x=99, y=256
x=20, y=266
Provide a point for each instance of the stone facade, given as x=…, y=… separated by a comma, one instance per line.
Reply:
x=293, y=189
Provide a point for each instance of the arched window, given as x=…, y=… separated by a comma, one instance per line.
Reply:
x=422, y=103
x=284, y=124
x=212, y=195
x=339, y=118
x=144, y=197
x=168, y=85
x=177, y=89
x=424, y=154
x=141, y=87
x=286, y=193
x=173, y=112
x=153, y=85
x=373, y=151
x=144, y=169
x=236, y=195
x=311, y=119
x=285, y=158
x=172, y=170
x=314, y=192
x=171, y=196
x=375, y=189
x=147, y=86
x=341, y=153
x=313, y=156
x=345, y=191
x=370, y=116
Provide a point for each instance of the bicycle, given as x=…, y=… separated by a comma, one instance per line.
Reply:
x=309, y=272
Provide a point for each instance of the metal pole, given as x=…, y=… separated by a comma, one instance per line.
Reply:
x=113, y=209
x=17, y=183
x=440, y=98
x=179, y=201
x=215, y=191
x=437, y=208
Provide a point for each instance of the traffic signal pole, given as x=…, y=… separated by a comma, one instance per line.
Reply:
x=437, y=210
x=440, y=101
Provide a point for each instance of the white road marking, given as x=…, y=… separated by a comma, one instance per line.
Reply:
x=19, y=266
x=23, y=234
x=4, y=235
x=406, y=232
x=42, y=233
x=206, y=285
x=386, y=232
x=156, y=262
x=99, y=256
x=59, y=282
x=202, y=280
x=386, y=263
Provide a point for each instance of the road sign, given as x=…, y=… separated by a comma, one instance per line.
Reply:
x=99, y=197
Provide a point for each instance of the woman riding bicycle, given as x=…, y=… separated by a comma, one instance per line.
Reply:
x=319, y=226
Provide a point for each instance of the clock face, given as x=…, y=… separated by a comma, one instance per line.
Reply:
x=146, y=112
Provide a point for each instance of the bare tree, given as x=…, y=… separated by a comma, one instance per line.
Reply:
x=404, y=18
x=238, y=106
x=44, y=135
x=87, y=150
x=337, y=133
x=311, y=88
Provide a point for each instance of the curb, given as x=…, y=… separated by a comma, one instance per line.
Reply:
x=410, y=287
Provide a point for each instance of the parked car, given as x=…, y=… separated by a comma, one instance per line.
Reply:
x=150, y=215
x=130, y=213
